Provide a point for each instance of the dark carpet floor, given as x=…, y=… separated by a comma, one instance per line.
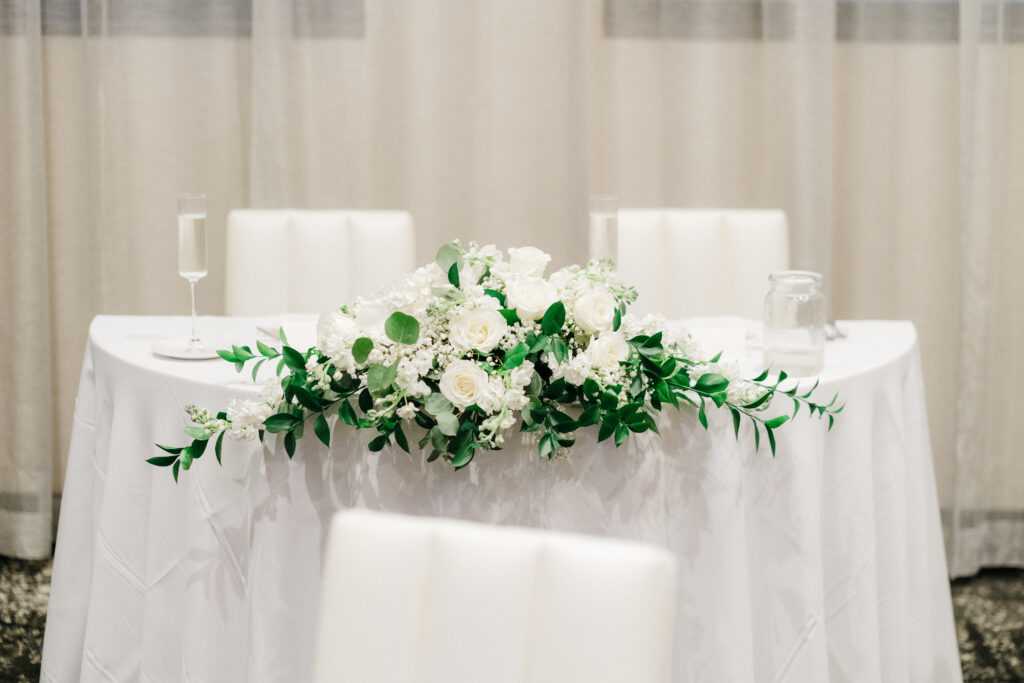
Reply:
x=989, y=620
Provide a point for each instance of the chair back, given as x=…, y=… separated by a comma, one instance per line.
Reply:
x=296, y=261
x=701, y=262
x=422, y=600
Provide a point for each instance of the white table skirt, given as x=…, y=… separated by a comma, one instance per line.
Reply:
x=823, y=564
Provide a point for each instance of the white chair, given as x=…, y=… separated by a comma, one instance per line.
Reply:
x=688, y=263
x=423, y=600
x=294, y=261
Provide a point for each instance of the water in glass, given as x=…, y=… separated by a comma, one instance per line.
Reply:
x=794, y=323
x=604, y=227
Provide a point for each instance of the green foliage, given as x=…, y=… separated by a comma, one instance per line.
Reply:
x=362, y=347
x=553, y=318
x=380, y=377
x=400, y=328
x=655, y=378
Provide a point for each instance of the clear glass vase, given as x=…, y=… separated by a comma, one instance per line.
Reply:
x=794, y=323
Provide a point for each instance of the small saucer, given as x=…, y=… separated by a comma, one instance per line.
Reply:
x=183, y=350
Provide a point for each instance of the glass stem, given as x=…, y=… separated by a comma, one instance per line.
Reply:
x=195, y=333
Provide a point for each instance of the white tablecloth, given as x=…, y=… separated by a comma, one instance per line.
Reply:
x=823, y=564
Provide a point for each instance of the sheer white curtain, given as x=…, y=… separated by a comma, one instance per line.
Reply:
x=882, y=127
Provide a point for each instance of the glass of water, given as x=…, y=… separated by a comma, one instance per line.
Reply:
x=794, y=323
x=604, y=227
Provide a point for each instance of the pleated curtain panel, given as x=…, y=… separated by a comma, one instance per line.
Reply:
x=885, y=129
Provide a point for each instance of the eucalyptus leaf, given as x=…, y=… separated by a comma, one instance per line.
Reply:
x=401, y=328
x=437, y=404
x=448, y=424
x=379, y=378
x=448, y=255
x=361, y=349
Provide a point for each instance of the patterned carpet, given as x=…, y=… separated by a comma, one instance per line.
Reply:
x=989, y=619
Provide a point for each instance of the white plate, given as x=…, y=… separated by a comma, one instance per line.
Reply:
x=183, y=350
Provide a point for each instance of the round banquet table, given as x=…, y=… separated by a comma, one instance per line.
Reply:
x=823, y=564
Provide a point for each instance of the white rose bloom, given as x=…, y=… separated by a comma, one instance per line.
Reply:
x=528, y=261
x=492, y=397
x=335, y=325
x=370, y=319
x=531, y=297
x=464, y=383
x=607, y=350
x=524, y=261
x=594, y=311
x=477, y=329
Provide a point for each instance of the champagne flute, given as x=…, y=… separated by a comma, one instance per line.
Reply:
x=192, y=249
x=192, y=267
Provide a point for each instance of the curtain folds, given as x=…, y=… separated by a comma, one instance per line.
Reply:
x=885, y=129
x=27, y=418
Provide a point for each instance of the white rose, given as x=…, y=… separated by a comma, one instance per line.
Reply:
x=335, y=325
x=370, y=319
x=464, y=383
x=607, y=350
x=477, y=329
x=531, y=296
x=595, y=311
x=524, y=261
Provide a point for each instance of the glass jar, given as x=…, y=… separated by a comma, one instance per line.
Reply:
x=794, y=323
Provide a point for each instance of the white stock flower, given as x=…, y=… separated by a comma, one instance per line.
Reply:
x=492, y=397
x=406, y=411
x=594, y=311
x=246, y=418
x=607, y=350
x=523, y=375
x=531, y=297
x=477, y=329
x=464, y=383
x=272, y=392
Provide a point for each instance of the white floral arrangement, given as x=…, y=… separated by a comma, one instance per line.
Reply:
x=475, y=343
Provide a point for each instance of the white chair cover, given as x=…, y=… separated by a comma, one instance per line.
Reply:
x=429, y=600
x=688, y=263
x=294, y=261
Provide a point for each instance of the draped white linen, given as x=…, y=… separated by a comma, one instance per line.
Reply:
x=880, y=127
x=824, y=564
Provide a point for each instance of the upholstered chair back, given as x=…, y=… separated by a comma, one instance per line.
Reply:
x=295, y=261
x=423, y=600
x=701, y=262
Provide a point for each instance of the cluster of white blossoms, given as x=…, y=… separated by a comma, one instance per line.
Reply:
x=466, y=327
